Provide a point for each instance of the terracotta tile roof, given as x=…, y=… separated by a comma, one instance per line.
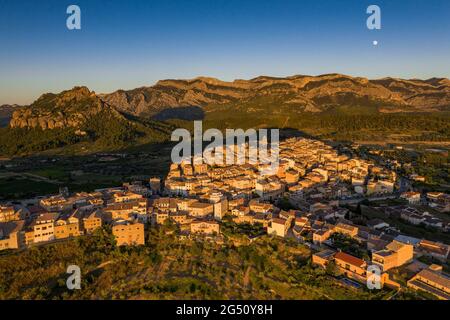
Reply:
x=279, y=221
x=435, y=247
x=349, y=259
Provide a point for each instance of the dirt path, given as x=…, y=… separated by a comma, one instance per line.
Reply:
x=247, y=276
x=39, y=178
x=163, y=267
x=104, y=264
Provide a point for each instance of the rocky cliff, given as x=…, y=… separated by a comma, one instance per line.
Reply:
x=69, y=108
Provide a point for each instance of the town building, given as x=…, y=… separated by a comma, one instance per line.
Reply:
x=92, y=221
x=66, y=227
x=394, y=255
x=278, y=227
x=11, y=235
x=323, y=257
x=205, y=227
x=433, y=281
x=200, y=209
x=13, y=213
x=128, y=233
x=347, y=229
x=411, y=197
x=350, y=266
x=433, y=249
x=43, y=227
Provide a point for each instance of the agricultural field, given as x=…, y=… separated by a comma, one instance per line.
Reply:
x=34, y=176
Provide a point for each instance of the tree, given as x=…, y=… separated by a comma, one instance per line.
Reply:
x=332, y=269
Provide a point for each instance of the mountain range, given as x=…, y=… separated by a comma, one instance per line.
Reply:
x=305, y=93
x=182, y=98
x=331, y=106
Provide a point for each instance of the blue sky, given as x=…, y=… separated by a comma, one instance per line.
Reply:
x=132, y=43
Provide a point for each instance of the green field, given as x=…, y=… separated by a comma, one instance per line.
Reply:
x=18, y=188
x=54, y=173
x=42, y=175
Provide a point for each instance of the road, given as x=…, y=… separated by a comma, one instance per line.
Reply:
x=30, y=176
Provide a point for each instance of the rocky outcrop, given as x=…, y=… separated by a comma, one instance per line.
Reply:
x=69, y=108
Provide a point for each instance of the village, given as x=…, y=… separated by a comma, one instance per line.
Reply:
x=311, y=199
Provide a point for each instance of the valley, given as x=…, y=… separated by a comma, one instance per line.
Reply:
x=60, y=134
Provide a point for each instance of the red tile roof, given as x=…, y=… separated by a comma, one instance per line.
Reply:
x=279, y=220
x=349, y=259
